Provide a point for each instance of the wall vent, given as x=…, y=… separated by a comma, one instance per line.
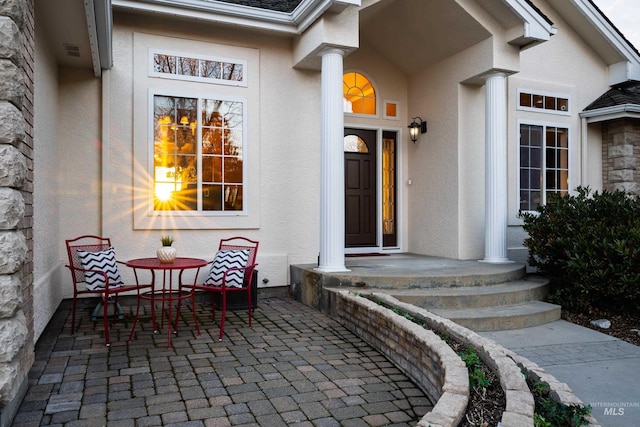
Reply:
x=72, y=49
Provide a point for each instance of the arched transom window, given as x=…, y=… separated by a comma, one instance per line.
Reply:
x=355, y=144
x=359, y=94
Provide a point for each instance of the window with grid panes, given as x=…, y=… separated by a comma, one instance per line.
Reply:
x=198, y=146
x=544, y=164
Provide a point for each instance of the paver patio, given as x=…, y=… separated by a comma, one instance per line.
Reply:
x=296, y=366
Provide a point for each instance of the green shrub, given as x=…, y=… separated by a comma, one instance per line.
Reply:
x=551, y=413
x=477, y=377
x=589, y=246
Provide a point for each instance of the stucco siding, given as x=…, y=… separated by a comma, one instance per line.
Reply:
x=79, y=149
x=290, y=160
x=283, y=133
x=577, y=72
x=471, y=162
x=436, y=166
x=567, y=66
x=441, y=212
x=47, y=245
x=594, y=161
x=391, y=85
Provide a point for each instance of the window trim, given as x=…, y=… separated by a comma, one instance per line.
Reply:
x=384, y=109
x=139, y=181
x=156, y=74
x=400, y=191
x=545, y=125
x=150, y=153
x=543, y=110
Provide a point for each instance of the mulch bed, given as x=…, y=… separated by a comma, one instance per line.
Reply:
x=486, y=405
x=624, y=327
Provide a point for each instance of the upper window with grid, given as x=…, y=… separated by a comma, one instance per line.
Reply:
x=198, y=68
x=540, y=101
x=359, y=94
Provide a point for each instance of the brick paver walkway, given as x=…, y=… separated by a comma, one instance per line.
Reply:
x=295, y=367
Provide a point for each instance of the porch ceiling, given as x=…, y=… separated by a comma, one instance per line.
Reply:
x=416, y=34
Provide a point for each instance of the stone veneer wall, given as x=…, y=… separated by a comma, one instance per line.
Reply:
x=16, y=207
x=621, y=155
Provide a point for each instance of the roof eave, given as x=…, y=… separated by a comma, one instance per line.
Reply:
x=536, y=27
x=98, y=18
x=611, y=113
x=99, y=28
x=104, y=31
x=629, y=68
x=295, y=22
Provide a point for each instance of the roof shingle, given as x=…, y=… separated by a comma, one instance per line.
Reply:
x=275, y=5
x=621, y=95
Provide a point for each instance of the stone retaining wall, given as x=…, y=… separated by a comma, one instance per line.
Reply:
x=420, y=353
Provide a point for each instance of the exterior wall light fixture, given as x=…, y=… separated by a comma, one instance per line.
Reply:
x=416, y=128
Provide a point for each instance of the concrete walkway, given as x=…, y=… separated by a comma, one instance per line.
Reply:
x=602, y=371
x=295, y=367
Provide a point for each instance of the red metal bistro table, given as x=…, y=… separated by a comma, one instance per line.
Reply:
x=167, y=293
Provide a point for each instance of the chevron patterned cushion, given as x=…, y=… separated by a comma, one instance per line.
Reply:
x=103, y=261
x=223, y=261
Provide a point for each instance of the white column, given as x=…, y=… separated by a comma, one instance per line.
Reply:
x=495, y=247
x=332, y=164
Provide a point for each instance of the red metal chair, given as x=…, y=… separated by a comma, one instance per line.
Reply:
x=95, y=247
x=222, y=288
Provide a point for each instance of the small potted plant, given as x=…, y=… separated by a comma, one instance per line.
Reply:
x=166, y=254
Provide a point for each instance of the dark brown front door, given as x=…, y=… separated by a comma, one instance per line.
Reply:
x=360, y=187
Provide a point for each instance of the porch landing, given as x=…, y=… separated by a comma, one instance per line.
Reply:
x=479, y=296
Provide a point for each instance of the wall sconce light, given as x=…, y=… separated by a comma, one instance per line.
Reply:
x=416, y=128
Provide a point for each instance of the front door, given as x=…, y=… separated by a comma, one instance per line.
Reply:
x=360, y=187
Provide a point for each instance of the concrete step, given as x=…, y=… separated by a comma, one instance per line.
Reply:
x=482, y=296
x=415, y=272
x=504, y=317
x=469, y=297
